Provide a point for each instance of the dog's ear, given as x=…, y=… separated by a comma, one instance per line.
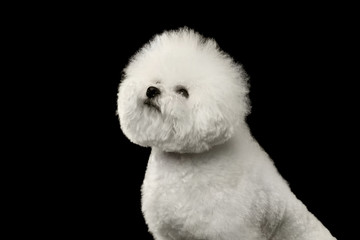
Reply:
x=212, y=126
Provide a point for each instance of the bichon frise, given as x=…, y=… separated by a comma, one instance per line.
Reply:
x=207, y=178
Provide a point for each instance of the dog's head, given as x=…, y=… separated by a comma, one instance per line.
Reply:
x=180, y=93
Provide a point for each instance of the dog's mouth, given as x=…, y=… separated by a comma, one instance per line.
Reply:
x=152, y=105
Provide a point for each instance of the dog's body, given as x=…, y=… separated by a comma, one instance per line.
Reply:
x=207, y=178
x=232, y=191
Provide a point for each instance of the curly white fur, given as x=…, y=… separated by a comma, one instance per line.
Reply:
x=207, y=178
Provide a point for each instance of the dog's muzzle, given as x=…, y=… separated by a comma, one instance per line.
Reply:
x=151, y=94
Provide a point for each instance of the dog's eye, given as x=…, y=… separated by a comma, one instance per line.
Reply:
x=182, y=91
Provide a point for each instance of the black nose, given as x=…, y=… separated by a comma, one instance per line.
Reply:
x=152, y=92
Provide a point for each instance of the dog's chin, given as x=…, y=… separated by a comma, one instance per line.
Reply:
x=152, y=105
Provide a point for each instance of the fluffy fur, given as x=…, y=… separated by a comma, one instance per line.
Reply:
x=207, y=178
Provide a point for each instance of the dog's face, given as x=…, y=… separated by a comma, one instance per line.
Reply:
x=180, y=93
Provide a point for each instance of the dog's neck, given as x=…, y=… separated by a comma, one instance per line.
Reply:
x=240, y=144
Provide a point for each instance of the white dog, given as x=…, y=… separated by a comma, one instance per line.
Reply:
x=207, y=178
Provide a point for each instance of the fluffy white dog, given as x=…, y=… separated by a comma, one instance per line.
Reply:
x=207, y=178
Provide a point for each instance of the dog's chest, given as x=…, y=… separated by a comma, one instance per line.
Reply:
x=178, y=208
x=189, y=199
x=176, y=195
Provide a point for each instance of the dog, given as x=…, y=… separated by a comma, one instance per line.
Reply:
x=207, y=177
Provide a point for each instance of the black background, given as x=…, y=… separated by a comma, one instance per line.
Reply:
x=88, y=184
